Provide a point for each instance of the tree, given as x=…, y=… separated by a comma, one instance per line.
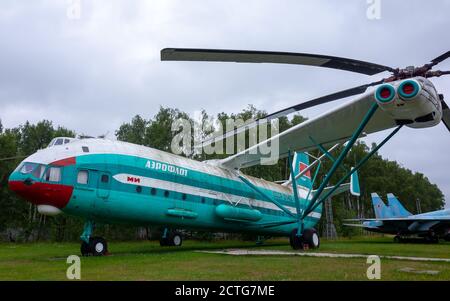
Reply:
x=134, y=132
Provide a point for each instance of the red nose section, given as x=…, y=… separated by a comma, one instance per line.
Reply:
x=43, y=193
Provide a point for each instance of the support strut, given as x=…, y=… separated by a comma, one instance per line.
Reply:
x=87, y=231
x=341, y=157
x=358, y=166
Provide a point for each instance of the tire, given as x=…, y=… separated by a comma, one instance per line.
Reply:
x=397, y=239
x=176, y=239
x=163, y=242
x=431, y=237
x=296, y=241
x=311, y=238
x=85, y=249
x=98, y=246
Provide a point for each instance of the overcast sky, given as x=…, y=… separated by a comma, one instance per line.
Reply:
x=93, y=73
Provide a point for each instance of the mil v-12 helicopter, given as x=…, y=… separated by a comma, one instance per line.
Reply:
x=116, y=182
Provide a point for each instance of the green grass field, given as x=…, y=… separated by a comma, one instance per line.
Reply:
x=146, y=260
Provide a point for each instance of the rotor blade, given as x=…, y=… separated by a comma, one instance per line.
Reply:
x=446, y=115
x=322, y=100
x=249, y=56
x=441, y=58
x=292, y=109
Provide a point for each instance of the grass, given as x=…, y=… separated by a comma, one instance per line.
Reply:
x=145, y=260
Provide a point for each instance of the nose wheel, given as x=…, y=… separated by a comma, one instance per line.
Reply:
x=97, y=246
x=171, y=238
x=91, y=245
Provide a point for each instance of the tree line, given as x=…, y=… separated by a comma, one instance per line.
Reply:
x=20, y=221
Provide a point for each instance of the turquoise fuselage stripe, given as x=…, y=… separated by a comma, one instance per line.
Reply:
x=118, y=202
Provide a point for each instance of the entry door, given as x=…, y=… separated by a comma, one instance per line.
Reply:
x=104, y=185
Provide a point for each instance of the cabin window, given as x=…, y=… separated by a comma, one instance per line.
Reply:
x=203, y=200
x=184, y=196
x=166, y=193
x=53, y=174
x=82, y=177
x=153, y=191
x=85, y=149
x=138, y=189
x=105, y=179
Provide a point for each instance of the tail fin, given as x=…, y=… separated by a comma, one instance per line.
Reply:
x=396, y=207
x=301, y=162
x=381, y=210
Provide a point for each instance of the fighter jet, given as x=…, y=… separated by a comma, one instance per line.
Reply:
x=395, y=219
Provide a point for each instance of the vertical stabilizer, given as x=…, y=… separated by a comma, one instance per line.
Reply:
x=396, y=207
x=381, y=210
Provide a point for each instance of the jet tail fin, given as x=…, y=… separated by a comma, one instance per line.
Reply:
x=380, y=208
x=396, y=207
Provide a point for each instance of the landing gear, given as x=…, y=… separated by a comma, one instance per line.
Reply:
x=398, y=239
x=97, y=246
x=92, y=246
x=309, y=239
x=171, y=238
x=296, y=241
x=431, y=237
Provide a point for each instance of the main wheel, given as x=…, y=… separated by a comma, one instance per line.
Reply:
x=98, y=246
x=398, y=239
x=296, y=241
x=431, y=237
x=311, y=238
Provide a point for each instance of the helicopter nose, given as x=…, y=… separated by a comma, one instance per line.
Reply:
x=41, y=193
x=21, y=187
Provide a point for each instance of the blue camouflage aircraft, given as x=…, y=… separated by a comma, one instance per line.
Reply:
x=395, y=219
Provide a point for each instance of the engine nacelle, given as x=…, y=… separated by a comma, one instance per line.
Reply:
x=413, y=102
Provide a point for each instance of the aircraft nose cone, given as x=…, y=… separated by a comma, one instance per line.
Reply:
x=20, y=187
x=41, y=193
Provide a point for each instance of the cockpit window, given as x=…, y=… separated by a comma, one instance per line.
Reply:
x=35, y=169
x=59, y=141
x=28, y=168
x=38, y=172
